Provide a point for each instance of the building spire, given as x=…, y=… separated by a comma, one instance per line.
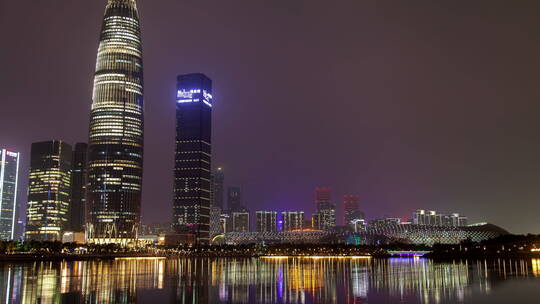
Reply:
x=129, y=3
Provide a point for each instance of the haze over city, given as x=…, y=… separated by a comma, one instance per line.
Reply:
x=409, y=105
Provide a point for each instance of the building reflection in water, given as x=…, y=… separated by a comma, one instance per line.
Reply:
x=277, y=280
x=536, y=267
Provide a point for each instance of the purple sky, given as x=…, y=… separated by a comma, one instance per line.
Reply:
x=409, y=104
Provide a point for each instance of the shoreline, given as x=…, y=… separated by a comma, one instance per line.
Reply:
x=31, y=257
x=113, y=256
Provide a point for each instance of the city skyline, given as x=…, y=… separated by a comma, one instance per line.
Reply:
x=405, y=149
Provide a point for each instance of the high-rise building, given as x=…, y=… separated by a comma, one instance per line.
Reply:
x=215, y=221
x=325, y=208
x=218, y=179
x=240, y=221
x=293, y=220
x=225, y=223
x=9, y=176
x=115, y=149
x=316, y=221
x=266, y=221
x=193, y=156
x=234, y=196
x=49, y=187
x=78, y=188
x=351, y=210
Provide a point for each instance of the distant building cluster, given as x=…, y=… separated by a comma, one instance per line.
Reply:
x=237, y=217
x=432, y=218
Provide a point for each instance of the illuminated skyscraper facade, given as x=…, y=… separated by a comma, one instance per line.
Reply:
x=192, y=185
x=293, y=220
x=266, y=221
x=325, y=209
x=218, y=179
x=9, y=175
x=240, y=221
x=49, y=186
x=78, y=187
x=115, y=150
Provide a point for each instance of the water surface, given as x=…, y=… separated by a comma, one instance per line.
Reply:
x=276, y=280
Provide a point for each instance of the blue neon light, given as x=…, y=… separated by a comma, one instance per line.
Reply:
x=408, y=253
x=194, y=95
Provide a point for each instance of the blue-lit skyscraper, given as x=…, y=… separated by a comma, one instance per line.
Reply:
x=192, y=171
x=9, y=175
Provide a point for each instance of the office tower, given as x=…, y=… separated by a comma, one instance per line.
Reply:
x=325, y=208
x=9, y=176
x=78, y=187
x=316, y=221
x=115, y=148
x=225, y=223
x=266, y=221
x=351, y=210
x=49, y=186
x=193, y=156
x=215, y=221
x=234, y=196
x=218, y=179
x=293, y=220
x=240, y=221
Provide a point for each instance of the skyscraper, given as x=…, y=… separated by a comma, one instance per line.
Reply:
x=193, y=156
x=215, y=221
x=325, y=208
x=240, y=221
x=78, y=187
x=218, y=179
x=293, y=220
x=266, y=221
x=49, y=189
x=9, y=176
x=234, y=196
x=115, y=150
x=316, y=221
x=351, y=210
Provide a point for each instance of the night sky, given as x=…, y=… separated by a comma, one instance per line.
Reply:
x=409, y=104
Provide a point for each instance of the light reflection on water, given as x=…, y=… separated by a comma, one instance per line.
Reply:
x=291, y=280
